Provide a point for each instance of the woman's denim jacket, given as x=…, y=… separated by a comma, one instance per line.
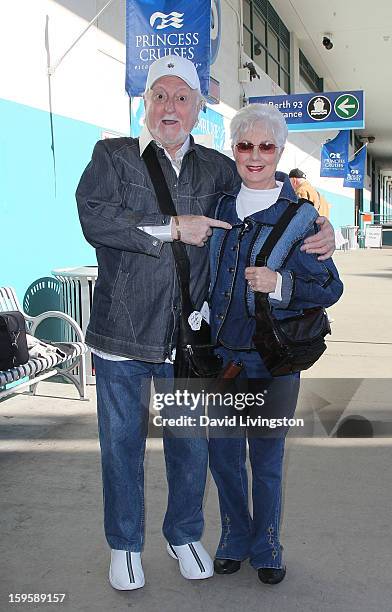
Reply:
x=306, y=281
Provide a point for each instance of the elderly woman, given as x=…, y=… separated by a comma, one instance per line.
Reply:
x=294, y=280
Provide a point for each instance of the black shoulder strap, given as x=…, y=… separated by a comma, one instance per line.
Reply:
x=277, y=231
x=167, y=207
x=161, y=189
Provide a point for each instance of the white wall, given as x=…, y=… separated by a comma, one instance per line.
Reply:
x=88, y=85
x=225, y=68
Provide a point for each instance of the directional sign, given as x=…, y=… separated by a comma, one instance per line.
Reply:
x=346, y=106
x=329, y=110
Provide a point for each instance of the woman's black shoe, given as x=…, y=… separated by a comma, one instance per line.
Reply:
x=270, y=575
x=226, y=566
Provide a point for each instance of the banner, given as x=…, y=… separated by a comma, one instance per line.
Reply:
x=158, y=28
x=355, y=170
x=334, y=156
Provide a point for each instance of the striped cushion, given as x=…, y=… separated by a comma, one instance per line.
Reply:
x=40, y=364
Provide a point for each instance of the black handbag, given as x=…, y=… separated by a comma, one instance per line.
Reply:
x=195, y=356
x=13, y=344
x=296, y=343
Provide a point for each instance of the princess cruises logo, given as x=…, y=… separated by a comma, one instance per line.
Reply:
x=173, y=19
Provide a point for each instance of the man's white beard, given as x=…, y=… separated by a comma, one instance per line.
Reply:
x=179, y=139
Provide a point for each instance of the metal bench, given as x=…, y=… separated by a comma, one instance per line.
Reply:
x=72, y=366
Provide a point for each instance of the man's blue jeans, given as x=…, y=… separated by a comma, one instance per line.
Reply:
x=244, y=536
x=122, y=402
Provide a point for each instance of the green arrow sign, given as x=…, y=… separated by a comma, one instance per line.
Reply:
x=346, y=106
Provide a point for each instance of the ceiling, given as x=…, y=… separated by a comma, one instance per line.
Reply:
x=361, y=57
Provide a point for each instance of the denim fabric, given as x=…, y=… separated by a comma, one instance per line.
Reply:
x=244, y=536
x=135, y=309
x=306, y=281
x=122, y=403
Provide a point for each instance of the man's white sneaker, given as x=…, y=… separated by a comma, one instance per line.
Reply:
x=194, y=561
x=126, y=572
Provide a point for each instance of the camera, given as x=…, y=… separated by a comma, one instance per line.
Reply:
x=367, y=139
x=327, y=41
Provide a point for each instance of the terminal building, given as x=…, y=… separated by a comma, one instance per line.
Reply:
x=63, y=88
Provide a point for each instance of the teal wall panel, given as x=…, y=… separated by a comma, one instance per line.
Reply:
x=39, y=222
x=366, y=201
x=342, y=208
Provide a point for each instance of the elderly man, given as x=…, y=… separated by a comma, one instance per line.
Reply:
x=135, y=312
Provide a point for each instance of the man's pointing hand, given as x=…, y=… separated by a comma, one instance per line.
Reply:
x=195, y=229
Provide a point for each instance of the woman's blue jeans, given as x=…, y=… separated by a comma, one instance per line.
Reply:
x=122, y=403
x=244, y=536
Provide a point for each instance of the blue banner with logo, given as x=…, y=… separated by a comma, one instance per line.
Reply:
x=157, y=28
x=355, y=170
x=334, y=156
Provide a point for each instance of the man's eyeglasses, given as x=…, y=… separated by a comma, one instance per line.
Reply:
x=264, y=147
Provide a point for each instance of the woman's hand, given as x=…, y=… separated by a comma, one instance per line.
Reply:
x=261, y=279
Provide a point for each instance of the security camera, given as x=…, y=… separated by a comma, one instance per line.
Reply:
x=327, y=41
x=257, y=49
x=367, y=139
x=252, y=70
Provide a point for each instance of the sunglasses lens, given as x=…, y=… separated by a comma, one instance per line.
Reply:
x=267, y=147
x=244, y=147
x=264, y=147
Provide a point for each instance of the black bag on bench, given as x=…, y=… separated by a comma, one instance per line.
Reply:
x=13, y=345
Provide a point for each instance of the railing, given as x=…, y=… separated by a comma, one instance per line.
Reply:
x=77, y=296
x=383, y=219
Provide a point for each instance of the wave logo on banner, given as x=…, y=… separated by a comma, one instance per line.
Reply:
x=172, y=19
x=355, y=170
x=334, y=156
x=160, y=28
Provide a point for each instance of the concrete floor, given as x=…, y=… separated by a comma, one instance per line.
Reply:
x=337, y=496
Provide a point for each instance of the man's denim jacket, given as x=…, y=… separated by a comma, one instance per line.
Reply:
x=136, y=302
x=306, y=282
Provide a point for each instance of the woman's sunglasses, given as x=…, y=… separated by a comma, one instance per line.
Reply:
x=264, y=147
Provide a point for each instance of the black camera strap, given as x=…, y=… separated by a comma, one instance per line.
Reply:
x=166, y=206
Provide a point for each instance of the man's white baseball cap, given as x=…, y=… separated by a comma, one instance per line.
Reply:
x=173, y=65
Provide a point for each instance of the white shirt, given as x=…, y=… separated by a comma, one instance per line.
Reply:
x=250, y=201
